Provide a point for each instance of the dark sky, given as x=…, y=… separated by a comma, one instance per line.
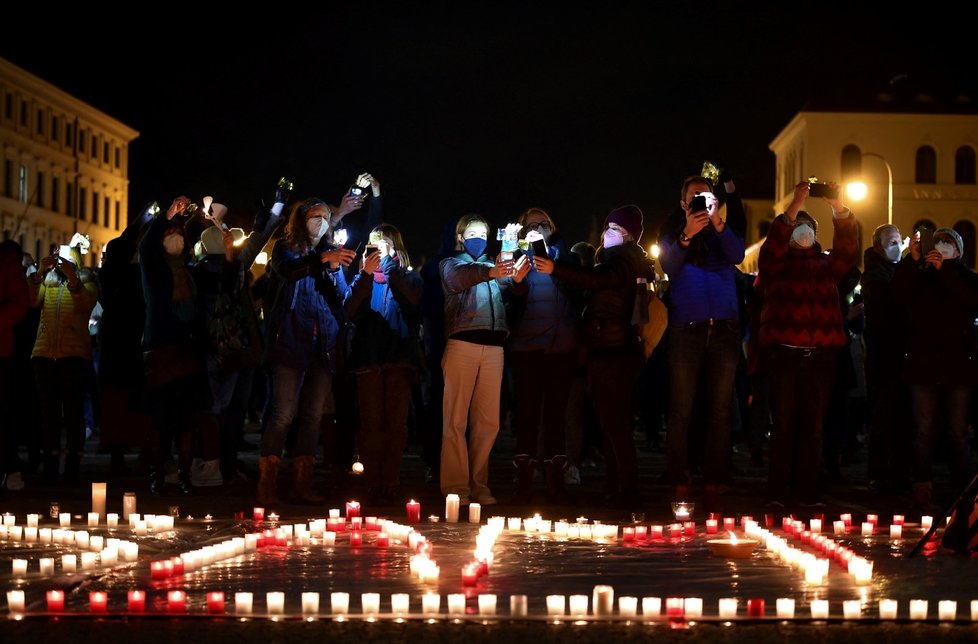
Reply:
x=489, y=107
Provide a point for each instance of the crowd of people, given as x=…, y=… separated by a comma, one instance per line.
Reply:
x=342, y=348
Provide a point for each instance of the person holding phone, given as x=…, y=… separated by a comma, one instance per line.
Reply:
x=939, y=296
x=385, y=306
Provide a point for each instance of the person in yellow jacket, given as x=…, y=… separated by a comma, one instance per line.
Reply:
x=62, y=356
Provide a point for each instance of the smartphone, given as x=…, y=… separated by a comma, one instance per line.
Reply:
x=697, y=203
x=822, y=190
x=370, y=248
x=926, y=241
x=539, y=248
x=64, y=252
x=356, y=191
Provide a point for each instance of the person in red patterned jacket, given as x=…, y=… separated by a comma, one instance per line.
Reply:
x=801, y=330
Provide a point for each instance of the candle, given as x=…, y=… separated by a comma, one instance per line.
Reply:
x=243, y=603
x=851, y=609
x=896, y=531
x=356, y=538
x=785, y=607
x=641, y=533
x=9, y=519
x=65, y=519
x=475, y=513
x=15, y=601
x=47, y=565
x=815, y=525
x=56, y=600
x=176, y=601
x=918, y=609
x=867, y=529
x=456, y=604
x=578, y=605
x=820, y=609
x=160, y=569
x=513, y=524
x=728, y=607
x=96, y=543
x=517, y=606
x=413, y=511
x=651, y=606
x=755, y=607
x=128, y=505
x=556, y=605
x=470, y=574
x=98, y=500
x=974, y=610
x=846, y=518
x=430, y=603
x=926, y=522
x=141, y=528
x=339, y=603
x=112, y=520
x=451, y=508
x=88, y=560
x=32, y=520
x=628, y=607
x=69, y=563
x=383, y=540
x=873, y=518
x=45, y=535
x=674, y=607
x=109, y=556
x=839, y=527
x=19, y=567
x=329, y=538
x=93, y=518
x=947, y=610
x=655, y=532
x=888, y=609
x=130, y=551
x=356, y=523
x=275, y=602
x=682, y=510
x=603, y=600
x=257, y=513
x=215, y=602
x=729, y=523
x=400, y=603
x=898, y=519
x=370, y=603
x=98, y=601
x=627, y=534
x=711, y=526
x=487, y=605
x=352, y=509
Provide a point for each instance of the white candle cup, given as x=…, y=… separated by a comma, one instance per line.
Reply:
x=851, y=609
x=785, y=607
x=947, y=610
x=918, y=609
x=578, y=605
x=839, y=527
x=9, y=519
x=339, y=603
x=329, y=538
x=370, y=604
x=130, y=551
x=88, y=560
x=98, y=499
x=896, y=531
x=867, y=530
x=556, y=605
x=518, y=606
x=693, y=607
x=112, y=520
x=45, y=535
x=310, y=604
x=19, y=567
x=451, y=508
x=487, y=605
x=15, y=602
x=243, y=603
x=628, y=607
x=275, y=602
x=820, y=609
x=15, y=532
x=974, y=610
x=32, y=520
x=513, y=524
x=141, y=528
x=82, y=539
x=815, y=525
x=96, y=543
x=400, y=603
x=93, y=518
x=603, y=600
x=30, y=535
x=430, y=604
x=456, y=604
x=651, y=607
x=109, y=556
x=888, y=609
x=47, y=565
x=64, y=519
x=475, y=513
x=69, y=563
x=926, y=522
x=128, y=505
x=727, y=608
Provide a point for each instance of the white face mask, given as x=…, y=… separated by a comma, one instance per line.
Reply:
x=946, y=249
x=316, y=227
x=173, y=244
x=613, y=238
x=803, y=235
x=893, y=253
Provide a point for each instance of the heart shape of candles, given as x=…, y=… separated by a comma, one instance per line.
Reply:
x=732, y=548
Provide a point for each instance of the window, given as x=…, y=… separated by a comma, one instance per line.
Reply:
x=118, y=157
x=964, y=165
x=69, y=134
x=22, y=184
x=55, y=128
x=82, y=202
x=924, y=223
x=94, y=147
x=39, y=190
x=105, y=213
x=926, y=165
x=70, y=198
x=8, y=173
x=95, y=206
x=851, y=163
x=118, y=215
x=8, y=106
x=40, y=121
x=967, y=231
x=55, y=194
x=81, y=141
x=23, y=113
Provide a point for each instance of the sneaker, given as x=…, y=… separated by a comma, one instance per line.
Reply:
x=14, y=482
x=572, y=475
x=206, y=473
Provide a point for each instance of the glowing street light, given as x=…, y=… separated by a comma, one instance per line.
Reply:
x=857, y=190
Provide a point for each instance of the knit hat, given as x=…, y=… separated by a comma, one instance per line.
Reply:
x=955, y=237
x=803, y=216
x=628, y=217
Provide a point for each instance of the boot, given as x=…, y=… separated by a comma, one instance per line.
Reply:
x=554, y=471
x=268, y=480
x=524, y=479
x=302, y=490
x=184, y=482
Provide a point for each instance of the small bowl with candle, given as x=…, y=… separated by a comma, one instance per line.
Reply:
x=683, y=510
x=732, y=548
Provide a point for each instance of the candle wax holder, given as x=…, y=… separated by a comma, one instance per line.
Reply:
x=683, y=510
x=732, y=548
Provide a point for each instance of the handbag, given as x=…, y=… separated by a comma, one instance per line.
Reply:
x=171, y=363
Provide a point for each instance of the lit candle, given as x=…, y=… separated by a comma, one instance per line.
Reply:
x=628, y=607
x=215, y=602
x=329, y=538
x=655, y=532
x=727, y=607
x=785, y=607
x=128, y=505
x=88, y=560
x=898, y=519
x=9, y=519
x=839, y=527
x=64, y=519
x=896, y=531
x=15, y=601
x=918, y=609
x=578, y=605
x=729, y=523
x=400, y=603
x=627, y=534
x=456, y=604
x=430, y=603
x=176, y=601
x=383, y=540
x=947, y=610
x=413, y=511
x=130, y=551
x=711, y=526
x=339, y=603
x=674, y=607
x=45, y=535
x=820, y=609
x=19, y=567
x=370, y=603
x=69, y=563
x=257, y=514
x=475, y=513
x=926, y=522
x=47, y=565
x=513, y=524
x=487, y=605
x=681, y=510
x=755, y=607
x=556, y=605
x=851, y=609
x=98, y=601
x=846, y=518
x=815, y=525
x=470, y=575
x=96, y=543
x=867, y=529
x=275, y=602
x=651, y=606
x=32, y=520
x=109, y=556
x=160, y=570
x=356, y=538
x=56, y=601
x=974, y=610
x=352, y=509
x=873, y=518
x=451, y=508
x=98, y=500
x=641, y=533
x=243, y=603
x=93, y=518
x=112, y=520
x=141, y=528
x=888, y=609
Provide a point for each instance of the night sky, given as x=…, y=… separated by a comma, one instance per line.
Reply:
x=459, y=109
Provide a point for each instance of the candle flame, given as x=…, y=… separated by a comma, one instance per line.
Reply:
x=733, y=538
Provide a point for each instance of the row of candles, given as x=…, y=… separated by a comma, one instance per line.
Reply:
x=557, y=606
x=140, y=525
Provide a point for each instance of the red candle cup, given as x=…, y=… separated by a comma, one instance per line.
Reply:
x=383, y=540
x=370, y=524
x=729, y=523
x=280, y=538
x=627, y=534
x=689, y=529
x=352, y=509
x=215, y=603
x=755, y=607
x=641, y=533
x=137, y=601
x=768, y=520
x=356, y=538
x=675, y=607
x=176, y=601
x=655, y=532
x=56, y=601
x=470, y=575
x=711, y=526
x=159, y=569
x=176, y=565
x=258, y=514
x=98, y=601
x=413, y=511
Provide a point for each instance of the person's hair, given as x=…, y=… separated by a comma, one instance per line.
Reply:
x=463, y=223
x=296, y=235
x=393, y=234
x=693, y=179
x=586, y=252
x=535, y=211
x=878, y=234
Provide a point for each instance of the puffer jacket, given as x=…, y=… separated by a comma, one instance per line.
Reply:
x=544, y=316
x=63, y=332
x=613, y=285
x=473, y=300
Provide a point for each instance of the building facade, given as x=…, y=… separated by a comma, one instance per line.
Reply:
x=64, y=167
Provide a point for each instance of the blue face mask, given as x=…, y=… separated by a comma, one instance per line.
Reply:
x=475, y=246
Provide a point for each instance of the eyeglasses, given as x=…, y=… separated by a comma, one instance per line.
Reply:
x=541, y=224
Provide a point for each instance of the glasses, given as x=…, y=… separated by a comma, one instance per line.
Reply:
x=535, y=226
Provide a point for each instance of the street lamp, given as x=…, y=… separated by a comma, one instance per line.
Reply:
x=857, y=190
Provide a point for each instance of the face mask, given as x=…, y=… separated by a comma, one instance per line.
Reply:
x=475, y=246
x=945, y=249
x=613, y=238
x=316, y=227
x=173, y=244
x=803, y=235
x=893, y=253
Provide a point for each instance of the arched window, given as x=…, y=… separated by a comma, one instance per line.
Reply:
x=967, y=231
x=851, y=163
x=964, y=165
x=923, y=223
x=925, y=165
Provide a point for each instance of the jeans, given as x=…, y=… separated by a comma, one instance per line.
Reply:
x=61, y=389
x=950, y=403
x=385, y=399
x=713, y=348
x=611, y=381
x=801, y=384
x=542, y=383
x=296, y=392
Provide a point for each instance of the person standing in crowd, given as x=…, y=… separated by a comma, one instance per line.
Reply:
x=14, y=303
x=301, y=346
x=62, y=357
x=384, y=304
x=476, y=328
x=615, y=355
x=890, y=428
x=542, y=316
x=801, y=330
x=700, y=255
x=939, y=295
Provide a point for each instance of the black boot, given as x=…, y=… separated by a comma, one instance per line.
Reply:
x=183, y=482
x=554, y=471
x=524, y=479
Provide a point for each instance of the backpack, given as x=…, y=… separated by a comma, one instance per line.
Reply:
x=649, y=316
